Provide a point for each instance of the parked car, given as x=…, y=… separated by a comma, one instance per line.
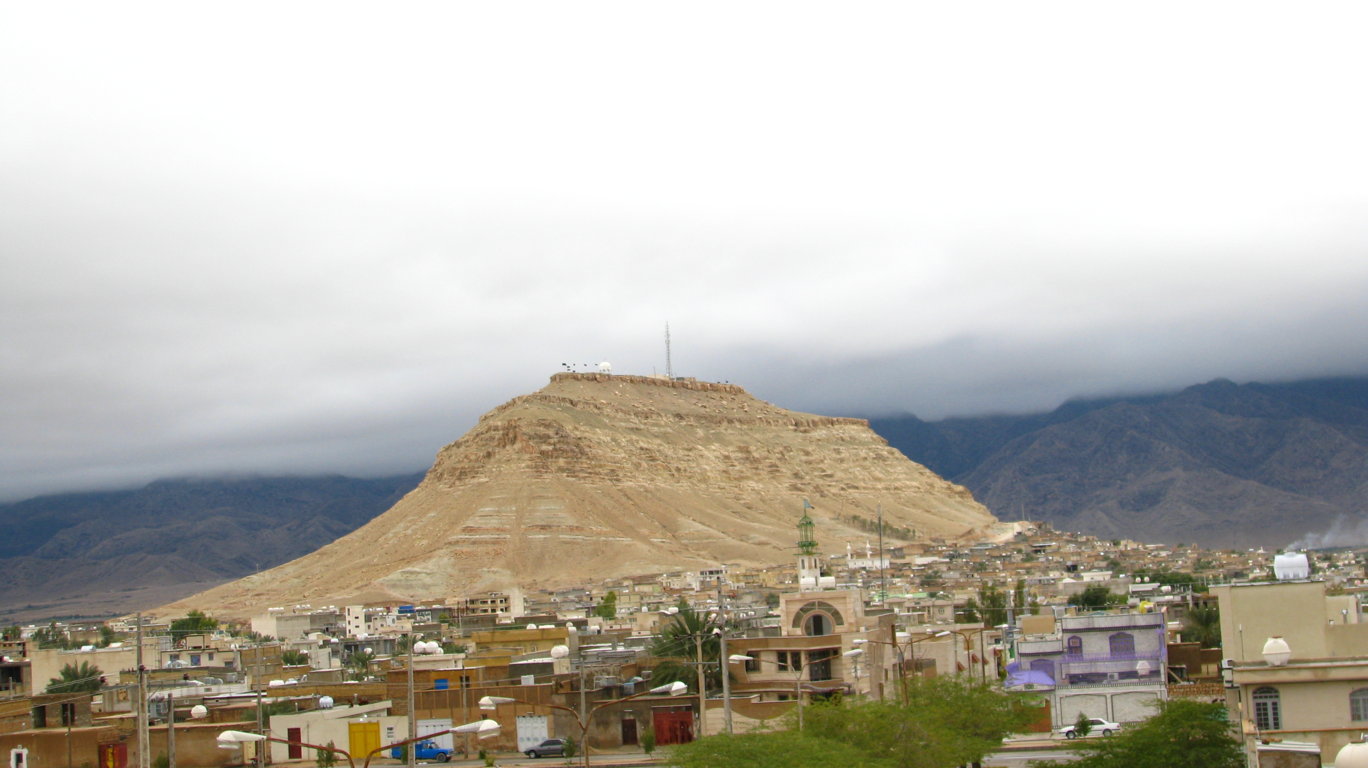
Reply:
x=1099, y=727
x=425, y=750
x=548, y=748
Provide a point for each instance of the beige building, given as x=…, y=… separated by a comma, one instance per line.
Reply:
x=1296, y=665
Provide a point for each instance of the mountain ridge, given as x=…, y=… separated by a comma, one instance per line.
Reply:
x=599, y=475
x=1219, y=463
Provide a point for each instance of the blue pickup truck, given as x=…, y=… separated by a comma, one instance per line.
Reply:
x=424, y=750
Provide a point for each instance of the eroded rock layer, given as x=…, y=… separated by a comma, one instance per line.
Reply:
x=596, y=476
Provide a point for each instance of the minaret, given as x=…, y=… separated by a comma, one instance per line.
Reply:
x=809, y=562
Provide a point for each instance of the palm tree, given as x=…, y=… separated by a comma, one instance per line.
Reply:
x=360, y=662
x=1203, y=625
x=677, y=648
x=87, y=678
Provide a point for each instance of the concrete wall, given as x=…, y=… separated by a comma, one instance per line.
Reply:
x=1252, y=613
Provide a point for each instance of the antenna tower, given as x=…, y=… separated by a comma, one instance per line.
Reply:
x=669, y=369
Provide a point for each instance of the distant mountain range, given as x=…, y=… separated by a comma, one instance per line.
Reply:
x=1219, y=464
x=103, y=554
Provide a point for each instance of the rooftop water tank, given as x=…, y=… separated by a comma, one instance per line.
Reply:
x=1291, y=566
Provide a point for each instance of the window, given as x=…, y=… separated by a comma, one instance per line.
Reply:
x=1044, y=665
x=817, y=624
x=1122, y=644
x=789, y=661
x=1267, y=709
x=1358, y=705
x=752, y=664
x=1075, y=646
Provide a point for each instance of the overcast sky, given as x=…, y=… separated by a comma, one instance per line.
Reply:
x=303, y=237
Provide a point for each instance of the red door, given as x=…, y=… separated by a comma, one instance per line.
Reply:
x=294, y=735
x=673, y=725
x=114, y=755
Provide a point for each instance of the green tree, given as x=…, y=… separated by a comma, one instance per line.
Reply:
x=1020, y=599
x=195, y=622
x=360, y=662
x=293, y=658
x=779, y=749
x=992, y=605
x=274, y=708
x=647, y=741
x=1184, y=734
x=947, y=721
x=325, y=758
x=677, y=649
x=107, y=635
x=1083, y=725
x=1203, y=625
x=1093, y=597
x=76, y=679
x=52, y=636
x=607, y=609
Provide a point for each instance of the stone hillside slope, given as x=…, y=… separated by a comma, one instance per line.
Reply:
x=598, y=475
x=1219, y=464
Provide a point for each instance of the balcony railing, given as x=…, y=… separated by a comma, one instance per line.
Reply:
x=1127, y=621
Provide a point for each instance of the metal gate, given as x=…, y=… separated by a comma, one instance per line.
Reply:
x=532, y=730
x=672, y=725
x=434, y=725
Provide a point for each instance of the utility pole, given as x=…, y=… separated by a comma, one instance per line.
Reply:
x=144, y=740
x=170, y=730
x=883, y=581
x=410, y=751
x=721, y=657
x=702, y=688
x=261, y=727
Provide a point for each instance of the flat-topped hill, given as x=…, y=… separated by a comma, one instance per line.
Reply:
x=598, y=475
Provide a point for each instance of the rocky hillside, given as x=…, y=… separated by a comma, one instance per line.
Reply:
x=598, y=475
x=102, y=554
x=1218, y=464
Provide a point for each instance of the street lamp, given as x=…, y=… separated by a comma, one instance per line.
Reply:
x=898, y=639
x=854, y=655
x=967, y=634
x=737, y=658
x=697, y=635
x=669, y=689
x=425, y=648
x=481, y=729
x=912, y=646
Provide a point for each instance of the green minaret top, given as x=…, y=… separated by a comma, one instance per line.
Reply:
x=806, y=544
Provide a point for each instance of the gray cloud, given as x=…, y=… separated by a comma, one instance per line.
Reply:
x=331, y=241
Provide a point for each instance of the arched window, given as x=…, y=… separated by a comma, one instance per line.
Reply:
x=1043, y=665
x=1358, y=705
x=1075, y=646
x=817, y=624
x=1267, y=709
x=1122, y=644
